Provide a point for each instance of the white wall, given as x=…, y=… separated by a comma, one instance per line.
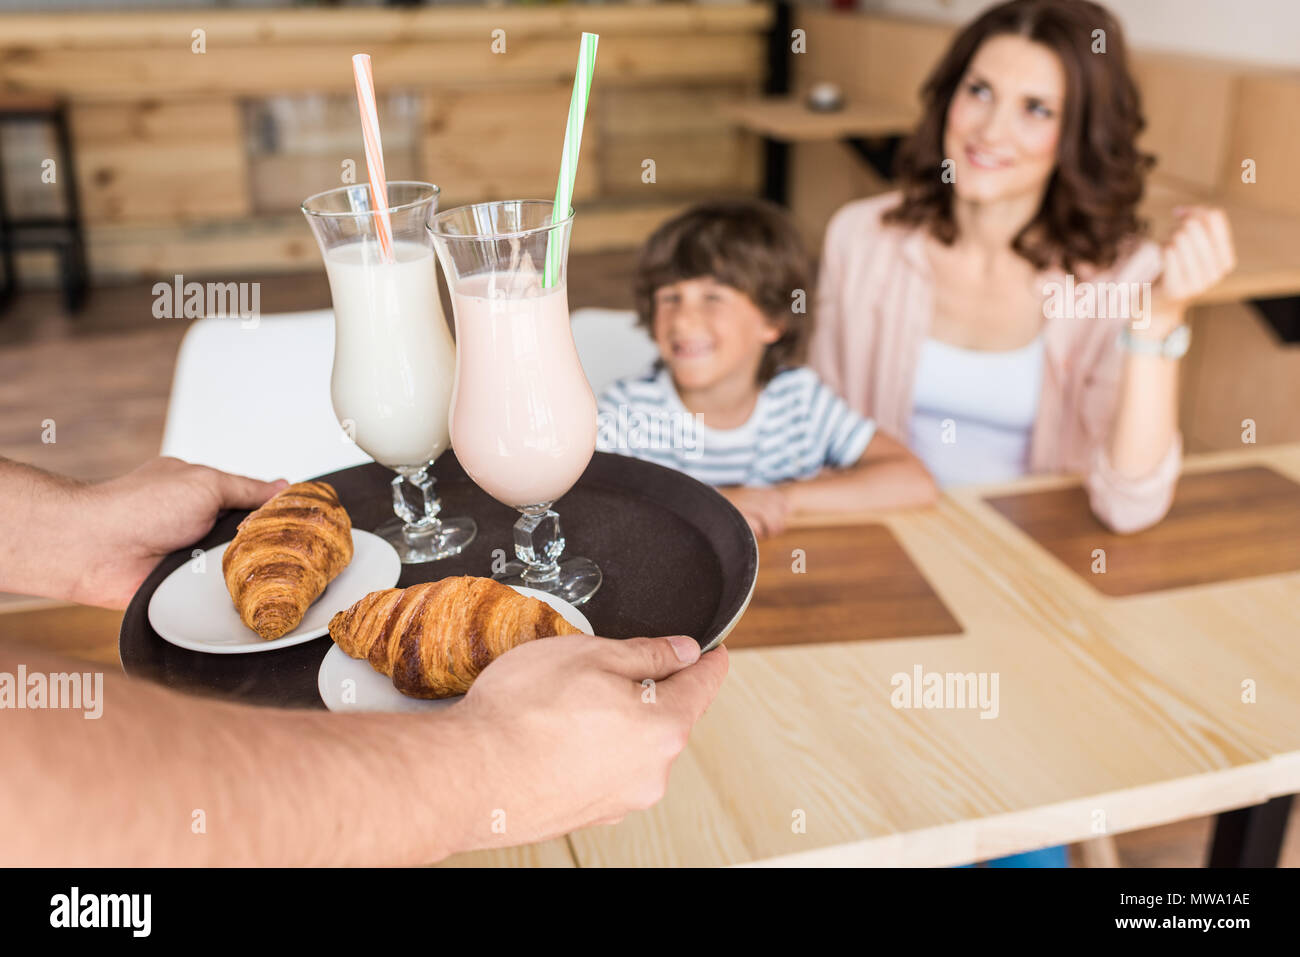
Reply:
x=1260, y=31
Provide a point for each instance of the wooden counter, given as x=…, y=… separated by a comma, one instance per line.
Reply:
x=163, y=146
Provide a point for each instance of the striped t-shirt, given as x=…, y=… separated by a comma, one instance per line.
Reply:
x=798, y=427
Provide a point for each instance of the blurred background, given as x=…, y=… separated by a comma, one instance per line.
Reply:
x=153, y=138
x=141, y=141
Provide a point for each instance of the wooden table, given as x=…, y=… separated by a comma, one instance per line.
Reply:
x=1119, y=713
x=1114, y=714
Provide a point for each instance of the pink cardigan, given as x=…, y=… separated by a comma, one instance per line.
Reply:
x=874, y=305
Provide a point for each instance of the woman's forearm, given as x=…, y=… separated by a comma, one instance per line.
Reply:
x=1146, y=418
x=164, y=779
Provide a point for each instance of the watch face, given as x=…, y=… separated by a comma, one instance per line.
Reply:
x=1176, y=342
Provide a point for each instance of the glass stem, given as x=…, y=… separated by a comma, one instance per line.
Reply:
x=539, y=543
x=421, y=516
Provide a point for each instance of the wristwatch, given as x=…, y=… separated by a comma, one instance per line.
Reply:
x=1172, y=346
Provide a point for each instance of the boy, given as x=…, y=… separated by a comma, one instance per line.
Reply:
x=723, y=289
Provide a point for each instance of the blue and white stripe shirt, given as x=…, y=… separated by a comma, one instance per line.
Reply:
x=798, y=427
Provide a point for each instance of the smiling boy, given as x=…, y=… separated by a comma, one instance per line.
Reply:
x=723, y=290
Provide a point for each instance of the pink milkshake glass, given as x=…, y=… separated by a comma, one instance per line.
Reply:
x=523, y=417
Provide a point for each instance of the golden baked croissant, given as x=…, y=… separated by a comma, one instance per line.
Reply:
x=433, y=639
x=284, y=554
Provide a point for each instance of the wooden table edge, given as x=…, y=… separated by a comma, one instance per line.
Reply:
x=1151, y=805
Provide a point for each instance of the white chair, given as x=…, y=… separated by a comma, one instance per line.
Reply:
x=256, y=401
x=611, y=345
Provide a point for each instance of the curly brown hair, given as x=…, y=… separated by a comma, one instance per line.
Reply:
x=1088, y=212
x=751, y=246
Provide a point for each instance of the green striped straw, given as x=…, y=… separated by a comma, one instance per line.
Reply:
x=572, y=143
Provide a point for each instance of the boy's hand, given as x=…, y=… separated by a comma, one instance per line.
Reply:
x=766, y=509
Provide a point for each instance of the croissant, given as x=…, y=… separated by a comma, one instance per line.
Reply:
x=433, y=639
x=284, y=554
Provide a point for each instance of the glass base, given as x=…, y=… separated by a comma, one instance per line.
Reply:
x=449, y=537
x=578, y=579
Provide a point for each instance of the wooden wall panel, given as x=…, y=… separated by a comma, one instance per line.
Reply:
x=823, y=177
x=99, y=74
x=685, y=108
x=173, y=161
x=899, y=56
x=1188, y=106
x=284, y=243
x=158, y=126
x=496, y=144
x=1238, y=369
x=725, y=161
x=162, y=28
x=874, y=58
x=1266, y=128
x=280, y=182
x=695, y=147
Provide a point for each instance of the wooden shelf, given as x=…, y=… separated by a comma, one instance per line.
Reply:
x=789, y=120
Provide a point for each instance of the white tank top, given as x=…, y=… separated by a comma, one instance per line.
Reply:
x=973, y=411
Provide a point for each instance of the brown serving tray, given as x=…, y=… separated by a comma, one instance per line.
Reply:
x=677, y=558
x=1223, y=525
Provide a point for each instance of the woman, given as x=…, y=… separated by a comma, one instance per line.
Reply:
x=947, y=314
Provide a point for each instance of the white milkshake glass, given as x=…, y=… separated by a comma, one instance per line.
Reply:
x=394, y=358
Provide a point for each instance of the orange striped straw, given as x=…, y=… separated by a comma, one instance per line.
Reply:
x=374, y=151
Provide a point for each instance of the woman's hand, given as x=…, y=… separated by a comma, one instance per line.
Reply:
x=1198, y=254
x=130, y=523
x=766, y=509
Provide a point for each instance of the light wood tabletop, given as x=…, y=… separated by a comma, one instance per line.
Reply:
x=1112, y=714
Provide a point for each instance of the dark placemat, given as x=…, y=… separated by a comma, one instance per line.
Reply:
x=1225, y=525
x=855, y=583
x=677, y=558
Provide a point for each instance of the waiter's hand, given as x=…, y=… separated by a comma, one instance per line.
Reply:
x=572, y=731
x=133, y=521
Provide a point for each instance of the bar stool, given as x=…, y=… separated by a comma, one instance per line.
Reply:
x=62, y=233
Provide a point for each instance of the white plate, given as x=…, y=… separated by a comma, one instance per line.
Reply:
x=350, y=684
x=192, y=607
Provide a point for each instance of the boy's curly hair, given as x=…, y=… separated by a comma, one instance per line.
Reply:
x=751, y=246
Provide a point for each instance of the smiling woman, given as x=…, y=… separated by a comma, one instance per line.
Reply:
x=1022, y=177
x=939, y=305
x=1032, y=93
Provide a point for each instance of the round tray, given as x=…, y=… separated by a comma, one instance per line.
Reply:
x=677, y=558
